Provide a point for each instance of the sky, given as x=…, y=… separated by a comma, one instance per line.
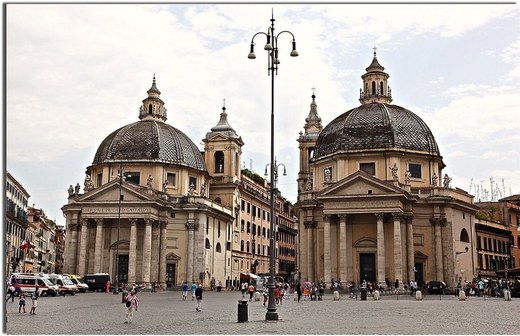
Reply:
x=76, y=72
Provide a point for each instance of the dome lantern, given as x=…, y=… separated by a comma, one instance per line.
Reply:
x=153, y=107
x=375, y=84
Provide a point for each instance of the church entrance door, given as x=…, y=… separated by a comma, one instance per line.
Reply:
x=170, y=275
x=367, y=267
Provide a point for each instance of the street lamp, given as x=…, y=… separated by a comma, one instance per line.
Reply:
x=272, y=69
x=121, y=177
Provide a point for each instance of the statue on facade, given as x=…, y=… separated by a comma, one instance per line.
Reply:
x=407, y=177
x=191, y=191
x=394, y=170
x=165, y=186
x=76, y=189
x=446, y=181
x=71, y=190
x=149, y=181
x=328, y=175
x=88, y=184
x=309, y=183
x=434, y=179
x=203, y=190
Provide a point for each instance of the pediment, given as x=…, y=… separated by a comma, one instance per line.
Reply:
x=360, y=183
x=111, y=191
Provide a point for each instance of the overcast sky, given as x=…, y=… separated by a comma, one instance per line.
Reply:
x=77, y=72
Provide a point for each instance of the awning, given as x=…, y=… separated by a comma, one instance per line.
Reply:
x=254, y=276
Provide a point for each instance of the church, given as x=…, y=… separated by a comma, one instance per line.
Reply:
x=374, y=202
x=148, y=214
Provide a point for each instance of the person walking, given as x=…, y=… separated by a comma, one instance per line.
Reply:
x=185, y=291
x=10, y=292
x=131, y=304
x=193, y=289
x=22, y=303
x=251, y=291
x=198, y=296
x=244, y=288
x=34, y=298
x=298, y=291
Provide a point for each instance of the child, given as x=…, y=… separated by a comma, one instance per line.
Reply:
x=22, y=303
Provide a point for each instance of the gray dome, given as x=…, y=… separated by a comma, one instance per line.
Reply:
x=376, y=126
x=150, y=140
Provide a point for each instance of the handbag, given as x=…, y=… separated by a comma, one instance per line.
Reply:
x=128, y=303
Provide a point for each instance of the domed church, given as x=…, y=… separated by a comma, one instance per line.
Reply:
x=146, y=214
x=373, y=201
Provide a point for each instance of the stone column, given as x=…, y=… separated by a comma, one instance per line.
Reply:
x=82, y=260
x=132, y=251
x=343, y=249
x=154, y=264
x=147, y=246
x=98, y=245
x=309, y=246
x=72, y=246
x=350, y=252
x=398, y=257
x=438, y=223
x=162, y=255
x=190, y=226
x=381, y=262
x=409, y=246
x=326, y=249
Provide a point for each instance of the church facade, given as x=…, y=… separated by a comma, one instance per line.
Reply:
x=373, y=203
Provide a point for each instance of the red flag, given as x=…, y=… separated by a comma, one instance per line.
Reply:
x=25, y=244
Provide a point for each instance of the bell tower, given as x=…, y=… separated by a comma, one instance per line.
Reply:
x=375, y=84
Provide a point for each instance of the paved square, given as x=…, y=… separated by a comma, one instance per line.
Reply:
x=166, y=313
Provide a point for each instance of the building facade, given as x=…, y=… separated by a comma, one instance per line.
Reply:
x=16, y=224
x=42, y=234
x=373, y=203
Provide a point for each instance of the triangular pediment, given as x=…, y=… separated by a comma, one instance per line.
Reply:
x=111, y=191
x=360, y=183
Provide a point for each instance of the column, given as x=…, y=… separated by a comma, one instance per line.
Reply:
x=147, y=245
x=162, y=255
x=437, y=223
x=326, y=249
x=132, y=251
x=308, y=275
x=381, y=262
x=349, y=244
x=409, y=247
x=82, y=260
x=343, y=249
x=398, y=257
x=190, y=226
x=98, y=246
x=154, y=263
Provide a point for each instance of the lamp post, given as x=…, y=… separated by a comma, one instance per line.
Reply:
x=272, y=69
x=121, y=177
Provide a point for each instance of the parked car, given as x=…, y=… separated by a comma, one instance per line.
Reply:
x=437, y=287
x=97, y=281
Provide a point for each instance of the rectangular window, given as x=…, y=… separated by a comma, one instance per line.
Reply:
x=368, y=167
x=485, y=243
x=415, y=170
x=218, y=232
x=172, y=179
x=193, y=180
x=99, y=179
x=133, y=177
x=243, y=205
x=248, y=207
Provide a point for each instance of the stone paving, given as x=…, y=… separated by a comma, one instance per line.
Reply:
x=165, y=313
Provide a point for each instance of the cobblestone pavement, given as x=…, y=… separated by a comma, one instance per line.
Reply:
x=165, y=313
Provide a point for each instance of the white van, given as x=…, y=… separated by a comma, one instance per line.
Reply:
x=66, y=286
x=27, y=282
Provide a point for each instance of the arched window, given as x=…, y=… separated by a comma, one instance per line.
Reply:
x=219, y=162
x=218, y=200
x=242, y=245
x=381, y=88
x=208, y=246
x=150, y=109
x=464, y=236
x=218, y=248
x=373, y=87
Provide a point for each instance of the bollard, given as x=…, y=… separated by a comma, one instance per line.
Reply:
x=462, y=295
x=418, y=295
x=242, y=311
x=363, y=294
x=335, y=296
x=507, y=295
x=257, y=296
x=377, y=295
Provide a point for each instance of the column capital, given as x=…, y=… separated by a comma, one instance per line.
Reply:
x=148, y=221
x=397, y=216
x=380, y=216
x=163, y=224
x=327, y=218
x=344, y=217
x=83, y=221
x=408, y=218
x=99, y=221
x=192, y=225
x=133, y=221
x=73, y=226
x=309, y=224
x=438, y=221
x=155, y=224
